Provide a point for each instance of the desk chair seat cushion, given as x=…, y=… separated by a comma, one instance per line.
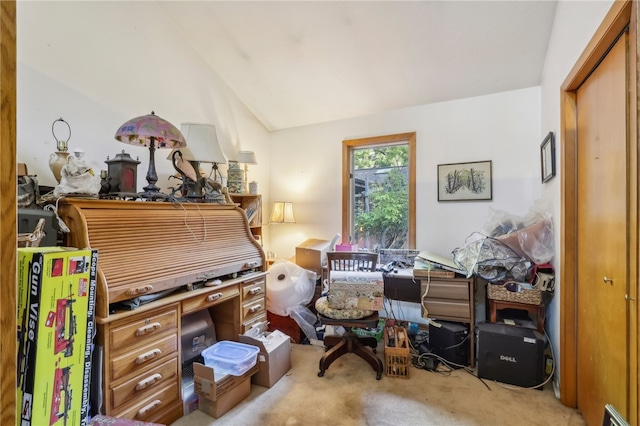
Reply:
x=322, y=306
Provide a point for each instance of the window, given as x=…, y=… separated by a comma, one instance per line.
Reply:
x=378, y=191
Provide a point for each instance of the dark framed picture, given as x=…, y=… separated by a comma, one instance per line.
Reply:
x=548, y=157
x=465, y=181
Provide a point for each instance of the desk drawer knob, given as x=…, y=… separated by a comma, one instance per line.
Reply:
x=148, y=328
x=255, y=290
x=212, y=297
x=255, y=308
x=143, y=384
x=148, y=355
x=142, y=413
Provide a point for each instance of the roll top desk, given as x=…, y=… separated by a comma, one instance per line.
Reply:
x=173, y=249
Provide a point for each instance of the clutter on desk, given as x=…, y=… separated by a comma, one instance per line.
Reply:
x=432, y=261
x=401, y=258
x=77, y=178
x=508, y=245
x=423, y=268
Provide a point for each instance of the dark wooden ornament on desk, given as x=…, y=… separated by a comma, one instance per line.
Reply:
x=122, y=173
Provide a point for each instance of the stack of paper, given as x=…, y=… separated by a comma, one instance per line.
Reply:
x=432, y=260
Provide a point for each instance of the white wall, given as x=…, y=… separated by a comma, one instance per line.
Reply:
x=503, y=128
x=99, y=64
x=574, y=25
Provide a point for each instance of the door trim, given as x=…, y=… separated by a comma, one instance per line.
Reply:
x=8, y=205
x=621, y=14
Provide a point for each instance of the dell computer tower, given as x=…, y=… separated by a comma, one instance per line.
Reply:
x=511, y=354
x=450, y=340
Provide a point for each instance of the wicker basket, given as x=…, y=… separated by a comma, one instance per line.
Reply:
x=397, y=358
x=527, y=296
x=32, y=239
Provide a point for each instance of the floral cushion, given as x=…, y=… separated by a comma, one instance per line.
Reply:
x=322, y=306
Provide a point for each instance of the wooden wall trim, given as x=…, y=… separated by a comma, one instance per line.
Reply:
x=8, y=231
x=568, y=253
x=612, y=25
x=634, y=214
x=349, y=144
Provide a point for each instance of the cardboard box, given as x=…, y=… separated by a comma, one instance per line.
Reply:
x=311, y=254
x=274, y=358
x=56, y=306
x=356, y=290
x=219, y=394
x=229, y=400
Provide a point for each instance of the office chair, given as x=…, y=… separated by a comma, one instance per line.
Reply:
x=336, y=346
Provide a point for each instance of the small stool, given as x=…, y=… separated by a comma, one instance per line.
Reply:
x=538, y=310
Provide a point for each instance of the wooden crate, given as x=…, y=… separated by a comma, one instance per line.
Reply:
x=397, y=358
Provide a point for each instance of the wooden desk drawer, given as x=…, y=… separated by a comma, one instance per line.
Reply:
x=254, y=320
x=143, y=356
x=446, y=290
x=142, y=329
x=448, y=309
x=253, y=309
x=210, y=298
x=254, y=290
x=144, y=384
x=149, y=408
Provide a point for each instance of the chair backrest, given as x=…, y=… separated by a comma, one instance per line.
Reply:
x=351, y=261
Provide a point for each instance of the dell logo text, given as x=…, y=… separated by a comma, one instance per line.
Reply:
x=507, y=358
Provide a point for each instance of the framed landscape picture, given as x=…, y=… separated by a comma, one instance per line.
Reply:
x=465, y=181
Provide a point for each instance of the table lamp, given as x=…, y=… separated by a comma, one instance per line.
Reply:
x=282, y=213
x=154, y=132
x=203, y=147
x=246, y=157
x=59, y=159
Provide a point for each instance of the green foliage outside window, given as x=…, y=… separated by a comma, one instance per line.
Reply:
x=382, y=204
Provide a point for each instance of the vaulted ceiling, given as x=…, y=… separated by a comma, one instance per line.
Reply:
x=295, y=63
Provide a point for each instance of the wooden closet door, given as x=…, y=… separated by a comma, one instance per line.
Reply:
x=602, y=215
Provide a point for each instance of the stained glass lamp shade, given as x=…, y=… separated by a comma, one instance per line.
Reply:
x=154, y=132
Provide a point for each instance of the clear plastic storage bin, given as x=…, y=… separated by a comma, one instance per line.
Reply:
x=230, y=357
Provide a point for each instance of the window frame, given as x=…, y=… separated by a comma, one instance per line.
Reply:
x=348, y=146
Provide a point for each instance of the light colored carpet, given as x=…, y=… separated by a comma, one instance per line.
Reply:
x=349, y=394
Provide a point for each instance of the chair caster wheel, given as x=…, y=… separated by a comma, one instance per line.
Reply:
x=320, y=373
x=378, y=376
x=375, y=351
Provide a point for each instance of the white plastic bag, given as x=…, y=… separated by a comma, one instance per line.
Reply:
x=290, y=289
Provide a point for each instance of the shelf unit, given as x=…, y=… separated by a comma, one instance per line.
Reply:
x=252, y=205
